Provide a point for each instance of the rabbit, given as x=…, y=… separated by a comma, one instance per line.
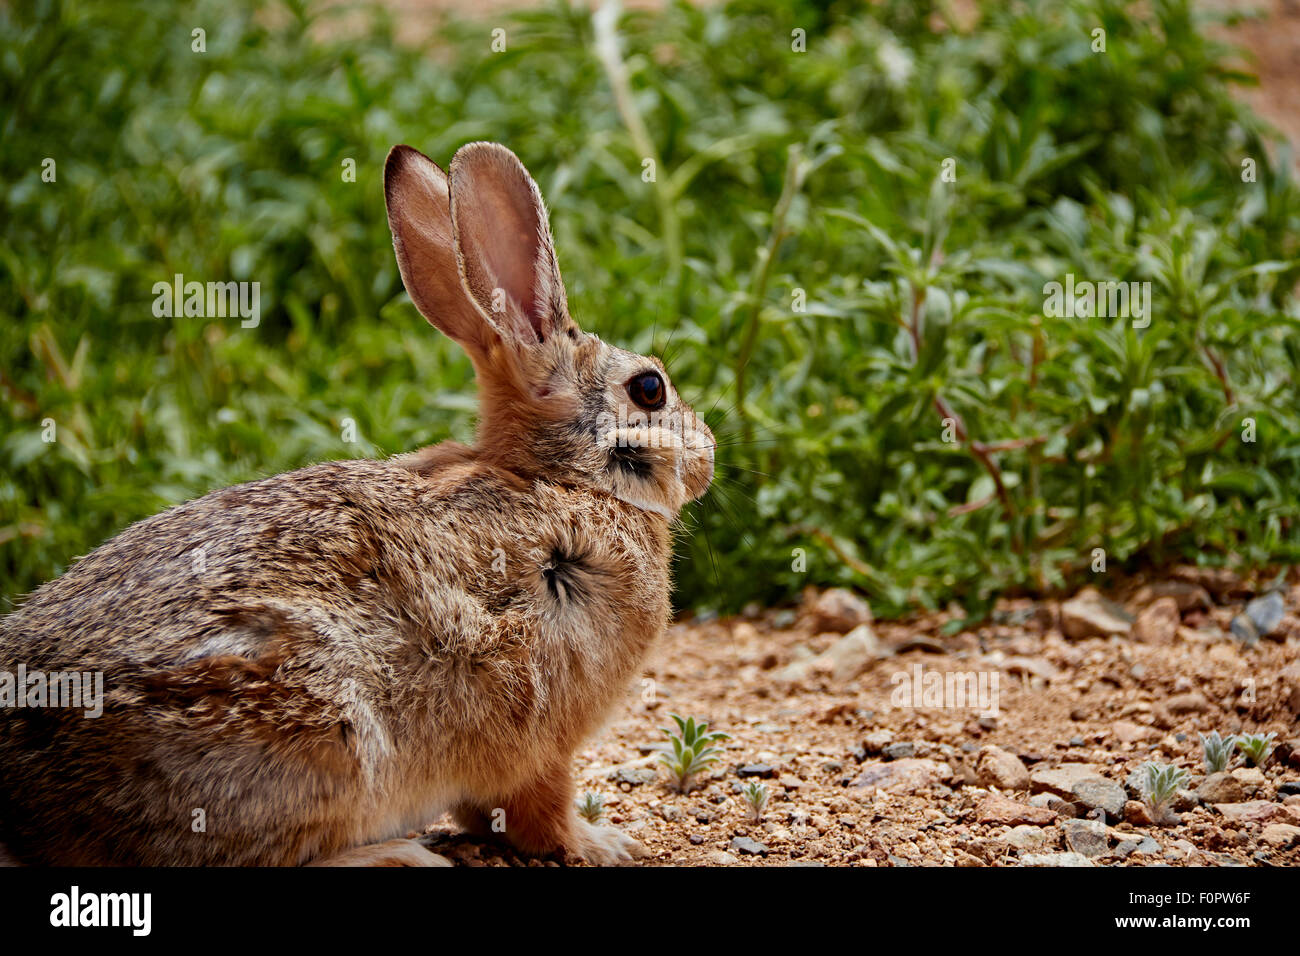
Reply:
x=302, y=669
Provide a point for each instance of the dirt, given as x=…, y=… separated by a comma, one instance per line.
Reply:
x=972, y=789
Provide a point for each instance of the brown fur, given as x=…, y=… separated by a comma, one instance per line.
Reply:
x=366, y=643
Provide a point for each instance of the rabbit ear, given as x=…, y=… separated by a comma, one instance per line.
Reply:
x=503, y=244
x=419, y=217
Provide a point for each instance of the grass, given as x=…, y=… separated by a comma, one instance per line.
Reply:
x=870, y=342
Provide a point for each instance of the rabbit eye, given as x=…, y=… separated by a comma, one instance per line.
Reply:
x=648, y=391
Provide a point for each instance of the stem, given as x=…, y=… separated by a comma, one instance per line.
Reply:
x=794, y=174
x=605, y=23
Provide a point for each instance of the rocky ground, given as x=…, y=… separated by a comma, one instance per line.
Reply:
x=860, y=773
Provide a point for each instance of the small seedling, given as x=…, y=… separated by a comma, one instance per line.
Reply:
x=591, y=807
x=692, y=751
x=1256, y=747
x=1159, y=782
x=1217, y=750
x=755, y=794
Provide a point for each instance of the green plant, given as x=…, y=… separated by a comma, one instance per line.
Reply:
x=808, y=275
x=1217, y=751
x=1256, y=747
x=591, y=807
x=1159, y=783
x=692, y=750
x=756, y=796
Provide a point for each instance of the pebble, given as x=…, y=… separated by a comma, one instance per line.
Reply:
x=1127, y=732
x=1221, y=787
x=1143, y=847
x=838, y=610
x=851, y=654
x=1098, y=793
x=722, y=857
x=1138, y=813
x=1088, y=614
x=1087, y=837
x=1251, y=811
x=899, y=751
x=1252, y=780
x=1280, y=834
x=999, y=809
x=1025, y=837
x=1061, y=780
x=1266, y=611
x=904, y=776
x=1001, y=768
x=1055, y=859
x=756, y=770
x=1190, y=703
x=744, y=844
x=1158, y=623
x=1186, y=595
x=876, y=741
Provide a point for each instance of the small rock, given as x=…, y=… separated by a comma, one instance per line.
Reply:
x=1189, y=703
x=1055, y=859
x=1221, y=787
x=899, y=751
x=1288, y=789
x=1098, y=793
x=1025, y=837
x=1031, y=666
x=1251, y=811
x=1143, y=847
x=1002, y=810
x=1244, y=630
x=1147, y=846
x=1088, y=614
x=1158, y=623
x=1062, y=808
x=1265, y=612
x=1218, y=581
x=1187, y=595
x=876, y=741
x=1061, y=780
x=1087, y=837
x=722, y=858
x=851, y=654
x=838, y=610
x=1280, y=834
x=743, y=844
x=1138, y=813
x=1127, y=732
x=634, y=776
x=765, y=770
x=903, y=776
x=1252, y=780
x=1001, y=768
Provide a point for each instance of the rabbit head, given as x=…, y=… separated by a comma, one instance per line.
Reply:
x=475, y=252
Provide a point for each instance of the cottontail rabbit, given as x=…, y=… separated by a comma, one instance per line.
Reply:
x=302, y=668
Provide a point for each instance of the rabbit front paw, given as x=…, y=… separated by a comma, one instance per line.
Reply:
x=604, y=846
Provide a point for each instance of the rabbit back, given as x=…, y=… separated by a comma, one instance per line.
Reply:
x=304, y=663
